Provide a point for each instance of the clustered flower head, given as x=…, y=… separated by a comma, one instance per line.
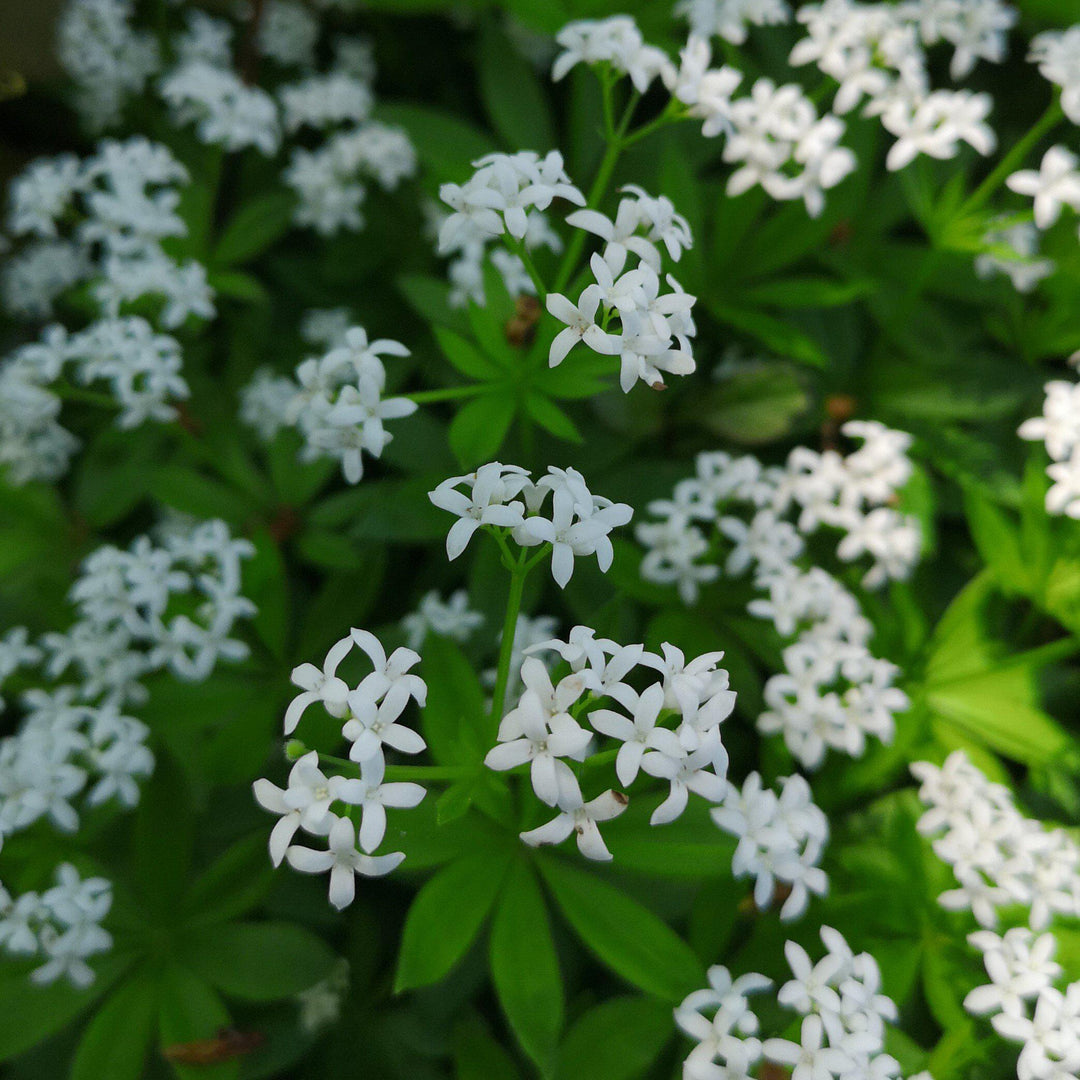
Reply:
x=877, y=53
x=127, y=627
x=1053, y=186
x=669, y=730
x=833, y=693
x=774, y=134
x=108, y=60
x=1059, y=429
x=1001, y=858
x=335, y=401
x=112, y=211
x=61, y=925
x=223, y=108
x=508, y=195
x=654, y=327
x=370, y=714
x=842, y=1034
x=729, y=19
x=577, y=523
x=781, y=840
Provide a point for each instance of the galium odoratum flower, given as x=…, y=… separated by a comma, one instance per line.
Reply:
x=324, y=794
x=577, y=524
x=669, y=730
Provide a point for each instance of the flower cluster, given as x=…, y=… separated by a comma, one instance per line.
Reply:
x=781, y=840
x=877, y=53
x=66, y=750
x=224, y=110
x=109, y=61
x=833, y=692
x=669, y=730
x=61, y=925
x=128, y=625
x=774, y=133
x=577, y=523
x=449, y=618
x=1001, y=858
x=507, y=195
x=842, y=1035
x=654, y=328
x=370, y=713
x=335, y=401
x=110, y=213
x=1059, y=429
x=140, y=367
x=329, y=180
x=729, y=19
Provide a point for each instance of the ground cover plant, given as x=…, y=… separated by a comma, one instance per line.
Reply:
x=541, y=539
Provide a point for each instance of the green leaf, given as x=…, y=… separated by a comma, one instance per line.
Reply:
x=805, y=292
x=191, y=492
x=466, y=357
x=478, y=430
x=33, y=1013
x=116, y=1040
x=233, y=884
x=754, y=406
x=454, y=719
x=781, y=337
x=384, y=510
x=258, y=961
x=264, y=583
x=192, y=1011
x=477, y=1056
x=627, y=937
x=258, y=223
x=512, y=94
x=331, y=550
x=617, y=1040
x=237, y=285
x=446, y=916
x=525, y=969
x=997, y=539
x=552, y=418
x=429, y=297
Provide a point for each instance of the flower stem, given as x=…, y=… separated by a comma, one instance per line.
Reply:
x=518, y=575
x=1049, y=120
x=615, y=142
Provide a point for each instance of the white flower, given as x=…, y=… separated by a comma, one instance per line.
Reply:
x=492, y=487
x=581, y=818
x=638, y=734
x=581, y=325
x=372, y=724
x=449, y=618
x=373, y=796
x=320, y=685
x=530, y=733
x=1054, y=185
x=344, y=862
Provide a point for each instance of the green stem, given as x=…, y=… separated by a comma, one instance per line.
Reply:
x=449, y=393
x=513, y=608
x=615, y=143
x=1049, y=120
